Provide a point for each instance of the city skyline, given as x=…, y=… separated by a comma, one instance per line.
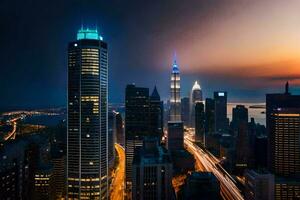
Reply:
x=221, y=44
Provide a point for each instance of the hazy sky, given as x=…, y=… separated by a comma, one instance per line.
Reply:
x=247, y=47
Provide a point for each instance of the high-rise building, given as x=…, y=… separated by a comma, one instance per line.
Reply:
x=259, y=185
x=156, y=109
x=137, y=122
x=185, y=110
x=152, y=172
x=209, y=116
x=283, y=129
x=239, y=116
x=175, y=125
x=195, y=96
x=87, y=165
x=221, y=121
x=118, y=129
x=199, y=122
x=175, y=106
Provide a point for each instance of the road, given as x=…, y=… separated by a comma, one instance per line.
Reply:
x=117, y=186
x=12, y=134
x=210, y=163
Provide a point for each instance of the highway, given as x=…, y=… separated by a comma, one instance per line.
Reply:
x=117, y=186
x=211, y=164
x=12, y=134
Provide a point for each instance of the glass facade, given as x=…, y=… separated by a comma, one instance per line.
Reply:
x=87, y=165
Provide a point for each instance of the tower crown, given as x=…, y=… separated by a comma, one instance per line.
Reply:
x=91, y=34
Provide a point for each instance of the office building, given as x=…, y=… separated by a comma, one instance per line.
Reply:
x=199, y=122
x=152, y=172
x=209, y=116
x=221, y=121
x=175, y=125
x=283, y=129
x=185, y=110
x=259, y=185
x=195, y=96
x=201, y=185
x=87, y=164
x=137, y=124
x=156, y=109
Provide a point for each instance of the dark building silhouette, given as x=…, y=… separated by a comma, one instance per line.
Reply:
x=111, y=139
x=195, y=96
x=152, y=172
x=199, y=122
x=118, y=128
x=239, y=116
x=283, y=129
x=209, y=116
x=137, y=124
x=156, y=110
x=185, y=110
x=221, y=121
x=201, y=185
x=87, y=164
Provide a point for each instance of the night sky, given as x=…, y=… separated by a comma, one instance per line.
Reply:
x=245, y=47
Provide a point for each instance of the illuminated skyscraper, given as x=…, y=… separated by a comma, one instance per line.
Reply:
x=175, y=107
x=87, y=165
x=175, y=125
x=195, y=96
x=283, y=129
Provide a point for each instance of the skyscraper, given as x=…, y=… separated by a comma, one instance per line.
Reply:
x=175, y=125
x=239, y=116
x=199, y=122
x=175, y=107
x=137, y=122
x=195, y=96
x=283, y=129
x=87, y=166
x=185, y=110
x=209, y=116
x=221, y=122
x=156, y=109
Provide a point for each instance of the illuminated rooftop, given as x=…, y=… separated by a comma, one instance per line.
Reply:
x=196, y=86
x=91, y=34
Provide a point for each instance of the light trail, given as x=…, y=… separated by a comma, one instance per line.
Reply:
x=12, y=134
x=117, y=186
x=228, y=188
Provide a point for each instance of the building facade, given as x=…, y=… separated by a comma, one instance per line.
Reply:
x=87, y=165
x=152, y=172
x=221, y=121
x=195, y=96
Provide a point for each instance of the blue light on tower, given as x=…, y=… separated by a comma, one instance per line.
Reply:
x=91, y=34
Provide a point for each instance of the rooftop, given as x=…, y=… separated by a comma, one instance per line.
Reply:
x=91, y=34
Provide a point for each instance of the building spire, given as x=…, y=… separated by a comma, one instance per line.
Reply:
x=287, y=88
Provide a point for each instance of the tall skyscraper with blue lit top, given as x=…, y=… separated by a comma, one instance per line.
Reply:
x=87, y=166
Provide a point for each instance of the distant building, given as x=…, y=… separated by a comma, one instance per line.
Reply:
x=175, y=136
x=137, y=121
x=87, y=164
x=42, y=183
x=221, y=121
x=195, y=96
x=261, y=152
x=209, y=116
x=239, y=116
x=152, y=172
x=199, y=122
x=201, y=185
x=283, y=129
x=185, y=110
x=175, y=125
x=259, y=185
x=118, y=129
